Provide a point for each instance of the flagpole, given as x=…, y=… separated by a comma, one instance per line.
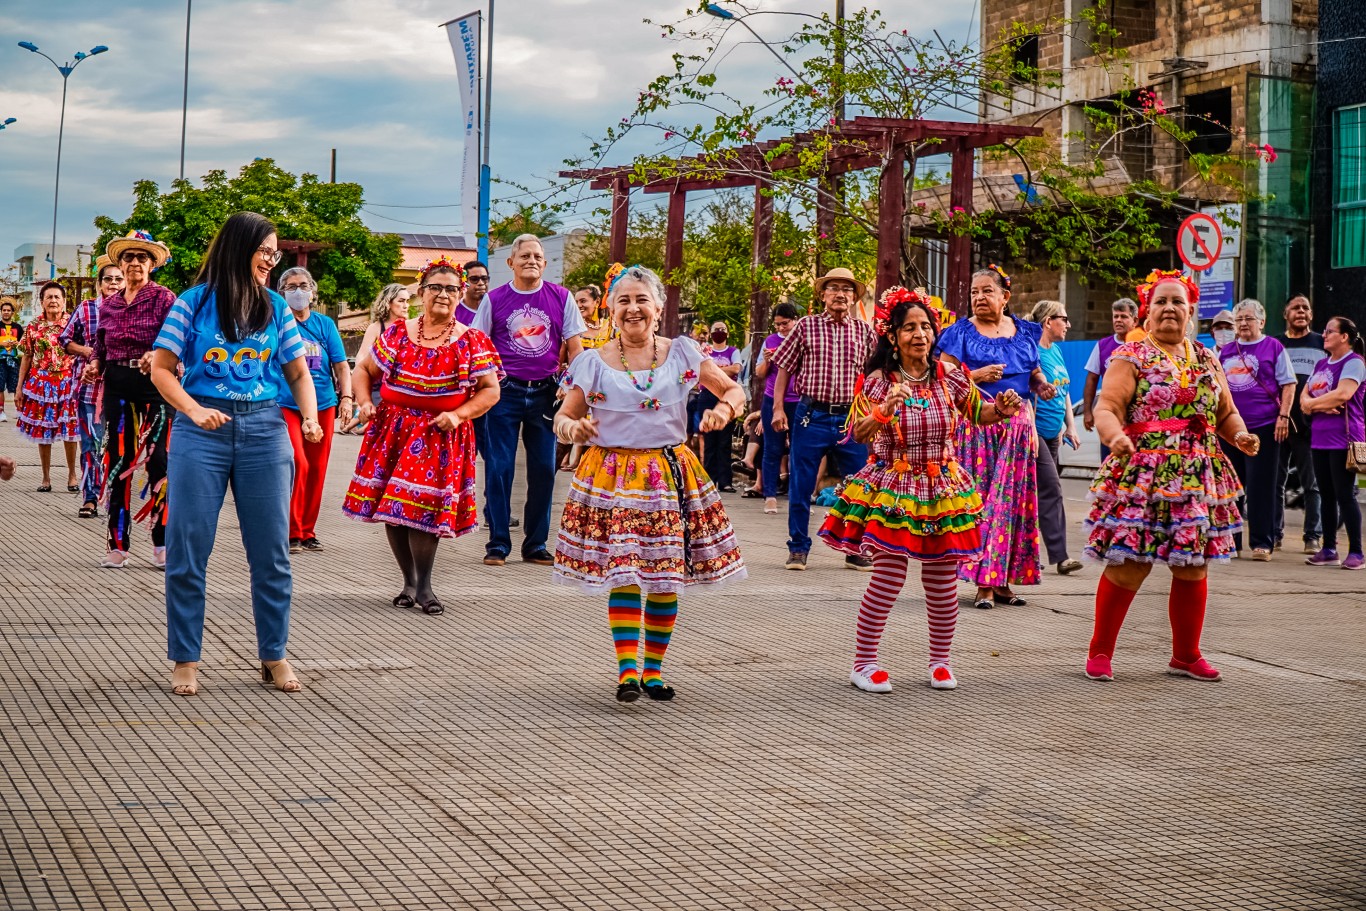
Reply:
x=485, y=180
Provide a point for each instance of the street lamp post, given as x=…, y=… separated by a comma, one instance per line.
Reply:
x=7, y=121
x=65, y=70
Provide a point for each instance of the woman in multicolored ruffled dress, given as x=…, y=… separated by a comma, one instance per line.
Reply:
x=1167, y=493
x=46, y=399
x=913, y=500
x=642, y=517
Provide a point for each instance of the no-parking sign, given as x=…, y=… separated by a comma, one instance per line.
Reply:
x=1199, y=241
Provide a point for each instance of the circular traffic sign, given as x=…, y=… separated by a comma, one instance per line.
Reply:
x=1199, y=241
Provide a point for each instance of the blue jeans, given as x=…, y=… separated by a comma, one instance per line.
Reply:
x=775, y=447
x=92, y=450
x=815, y=434
x=252, y=454
x=521, y=410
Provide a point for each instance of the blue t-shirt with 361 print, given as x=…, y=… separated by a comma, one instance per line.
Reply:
x=244, y=371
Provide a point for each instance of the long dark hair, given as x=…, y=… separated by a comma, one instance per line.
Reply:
x=244, y=305
x=886, y=357
x=1349, y=329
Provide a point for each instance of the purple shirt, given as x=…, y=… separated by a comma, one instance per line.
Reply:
x=128, y=329
x=81, y=329
x=527, y=328
x=463, y=314
x=1331, y=431
x=771, y=345
x=1255, y=374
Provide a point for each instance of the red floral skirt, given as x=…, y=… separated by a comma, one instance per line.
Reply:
x=411, y=474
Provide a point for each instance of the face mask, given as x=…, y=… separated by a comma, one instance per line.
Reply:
x=1223, y=337
x=718, y=336
x=298, y=299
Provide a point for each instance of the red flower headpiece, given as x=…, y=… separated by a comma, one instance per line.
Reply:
x=446, y=264
x=892, y=298
x=1157, y=277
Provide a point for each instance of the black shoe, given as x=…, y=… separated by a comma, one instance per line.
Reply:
x=659, y=692
x=311, y=544
x=540, y=557
x=495, y=558
x=860, y=563
x=628, y=691
x=1011, y=600
x=728, y=489
x=433, y=607
x=295, y=545
x=514, y=523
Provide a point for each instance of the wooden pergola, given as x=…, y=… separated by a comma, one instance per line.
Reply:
x=851, y=145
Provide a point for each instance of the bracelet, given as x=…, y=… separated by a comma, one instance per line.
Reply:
x=876, y=414
x=1282, y=417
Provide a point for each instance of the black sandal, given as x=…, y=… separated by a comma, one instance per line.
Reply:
x=46, y=488
x=433, y=607
x=88, y=511
x=1009, y=600
x=403, y=601
x=752, y=493
x=659, y=692
x=983, y=604
x=628, y=691
x=73, y=488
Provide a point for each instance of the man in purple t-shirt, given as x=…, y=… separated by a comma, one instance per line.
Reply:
x=527, y=319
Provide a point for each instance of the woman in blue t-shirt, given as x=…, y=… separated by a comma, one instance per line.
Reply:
x=1053, y=422
x=1002, y=352
x=235, y=338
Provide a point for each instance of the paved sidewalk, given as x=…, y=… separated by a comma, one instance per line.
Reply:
x=477, y=760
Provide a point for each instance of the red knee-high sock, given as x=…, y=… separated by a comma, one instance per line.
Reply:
x=940, y=581
x=889, y=574
x=1112, y=604
x=1186, y=610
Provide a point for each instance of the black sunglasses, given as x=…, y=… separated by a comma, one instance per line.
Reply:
x=478, y=278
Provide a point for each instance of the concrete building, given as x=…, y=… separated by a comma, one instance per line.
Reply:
x=417, y=250
x=560, y=249
x=73, y=268
x=1339, y=182
x=1238, y=72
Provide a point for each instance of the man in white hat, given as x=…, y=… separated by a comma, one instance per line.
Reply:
x=824, y=354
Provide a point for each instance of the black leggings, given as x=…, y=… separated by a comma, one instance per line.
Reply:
x=1338, y=490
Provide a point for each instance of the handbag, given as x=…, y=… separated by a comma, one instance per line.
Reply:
x=1356, y=453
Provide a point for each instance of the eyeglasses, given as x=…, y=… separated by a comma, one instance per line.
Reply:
x=112, y=278
x=481, y=279
x=134, y=256
x=1065, y=319
x=840, y=289
x=298, y=286
x=269, y=255
x=439, y=290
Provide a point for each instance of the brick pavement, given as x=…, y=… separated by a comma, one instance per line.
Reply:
x=477, y=760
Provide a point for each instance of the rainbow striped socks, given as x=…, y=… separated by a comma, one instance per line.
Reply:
x=661, y=611
x=623, y=615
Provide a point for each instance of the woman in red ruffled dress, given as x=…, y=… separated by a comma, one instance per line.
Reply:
x=415, y=472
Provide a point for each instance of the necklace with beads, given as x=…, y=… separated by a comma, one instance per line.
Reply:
x=654, y=363
x=439, y=337
x=1181, y=368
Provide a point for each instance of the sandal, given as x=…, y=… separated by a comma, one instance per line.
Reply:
x=88, y=511
x=184, y=679
x=628, y=691
x=46, y=488
x=433, y=607
x=983, y=604
x=403, y=601
x=753, y=493
x=284, y=681
x=1011, y=600
x=73, y=488
x=659, y=692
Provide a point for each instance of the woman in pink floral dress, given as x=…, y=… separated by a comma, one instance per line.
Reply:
x=1166, y=494
x=47, y=389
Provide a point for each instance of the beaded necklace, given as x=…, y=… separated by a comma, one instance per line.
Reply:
x=1183, y=367
x=439, y=337
x=916, y=400
x=654, y=363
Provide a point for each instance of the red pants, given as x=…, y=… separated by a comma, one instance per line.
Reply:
x=310, y=470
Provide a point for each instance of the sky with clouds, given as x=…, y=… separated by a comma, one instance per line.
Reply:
x=292, y=79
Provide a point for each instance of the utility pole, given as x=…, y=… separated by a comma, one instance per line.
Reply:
x=185, y=90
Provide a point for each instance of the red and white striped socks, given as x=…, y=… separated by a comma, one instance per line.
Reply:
x=941, y=605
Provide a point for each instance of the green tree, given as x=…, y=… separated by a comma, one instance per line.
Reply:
x=352, y=269
x=529, y=218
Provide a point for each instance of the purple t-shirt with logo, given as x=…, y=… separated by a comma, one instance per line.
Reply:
x=1330, y=431
x=1256, y=372
x=771, y=345
x=527, y=328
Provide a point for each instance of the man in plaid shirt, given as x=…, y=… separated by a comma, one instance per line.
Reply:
x=825, y=354
x=79, y=339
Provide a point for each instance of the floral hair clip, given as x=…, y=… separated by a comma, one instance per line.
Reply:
x=895, y=296
x=1005, y=277
x=445, y=264
x=1158, y=276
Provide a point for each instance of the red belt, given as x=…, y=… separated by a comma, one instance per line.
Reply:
x=433, y=403
x=1196, y=425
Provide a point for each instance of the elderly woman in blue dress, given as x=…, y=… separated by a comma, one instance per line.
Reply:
x=1001, y=352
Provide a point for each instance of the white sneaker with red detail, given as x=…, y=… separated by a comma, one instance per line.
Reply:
x=941, y=678
x=871, y=679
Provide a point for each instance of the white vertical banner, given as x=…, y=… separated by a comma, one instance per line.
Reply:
x=464, y=36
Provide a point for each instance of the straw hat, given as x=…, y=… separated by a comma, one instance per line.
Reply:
x=841, y=274
x=139, y=240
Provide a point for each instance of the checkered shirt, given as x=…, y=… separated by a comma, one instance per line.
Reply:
x=826, y=357
x=81, y=329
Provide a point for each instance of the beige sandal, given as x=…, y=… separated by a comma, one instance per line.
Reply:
x=184, y=679
x=284, y=680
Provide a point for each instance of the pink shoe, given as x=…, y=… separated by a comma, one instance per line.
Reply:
x=1098, y=668
x=1199, y=669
